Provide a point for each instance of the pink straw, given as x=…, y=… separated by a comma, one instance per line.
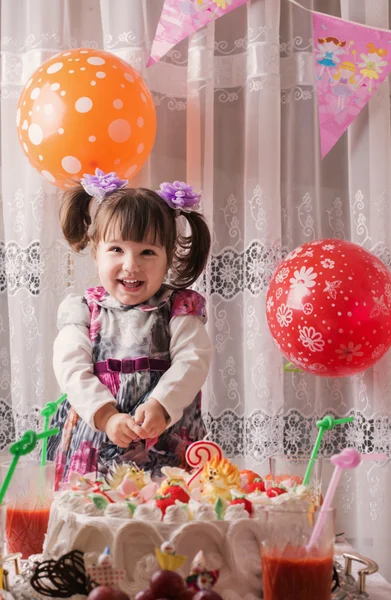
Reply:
x=349, y=458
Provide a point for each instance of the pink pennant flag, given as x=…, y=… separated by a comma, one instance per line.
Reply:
x=351, y=61
x=181, y=18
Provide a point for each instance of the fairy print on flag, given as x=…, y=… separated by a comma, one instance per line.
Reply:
x=344, y=86
x=351, y=62
x=372, y=64
x=328, y=50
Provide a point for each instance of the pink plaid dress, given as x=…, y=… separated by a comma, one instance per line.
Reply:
x=130, y=371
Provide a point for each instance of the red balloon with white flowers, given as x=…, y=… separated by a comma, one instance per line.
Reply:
x=328, y=308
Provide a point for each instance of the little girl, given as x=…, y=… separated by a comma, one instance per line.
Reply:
x=132, y=353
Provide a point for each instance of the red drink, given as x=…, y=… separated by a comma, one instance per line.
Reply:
x=25, y=530
x=292, y=574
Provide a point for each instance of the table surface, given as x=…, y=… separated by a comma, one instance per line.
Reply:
x=377, y=587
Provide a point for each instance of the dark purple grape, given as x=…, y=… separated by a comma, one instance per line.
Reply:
x=187, y=595
x=121, y=595
x=167, y=584
x=103, y=592
x=145, y=595
x=207, y=595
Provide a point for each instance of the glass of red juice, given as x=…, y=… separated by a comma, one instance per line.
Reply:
x=291, y=570
x=29, y=498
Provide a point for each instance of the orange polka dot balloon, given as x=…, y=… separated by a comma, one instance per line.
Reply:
x=84, y=109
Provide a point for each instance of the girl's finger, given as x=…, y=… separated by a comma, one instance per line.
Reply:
x=139, y=432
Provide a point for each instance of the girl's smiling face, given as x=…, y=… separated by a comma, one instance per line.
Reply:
x=131, y=272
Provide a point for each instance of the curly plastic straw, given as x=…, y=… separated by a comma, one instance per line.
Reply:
x=349, y=458
x=48, y=411
x=327, y=423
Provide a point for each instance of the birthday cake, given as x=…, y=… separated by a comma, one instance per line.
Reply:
x=220, y=510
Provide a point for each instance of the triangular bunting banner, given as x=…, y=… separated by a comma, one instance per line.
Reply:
x=351, y=61
x=181, y=18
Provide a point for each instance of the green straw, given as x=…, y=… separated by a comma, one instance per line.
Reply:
x=327, y=423
x=24, y=446
x=48, y=411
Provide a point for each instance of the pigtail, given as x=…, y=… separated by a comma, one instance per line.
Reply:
x=75, y=217
x=192, y=251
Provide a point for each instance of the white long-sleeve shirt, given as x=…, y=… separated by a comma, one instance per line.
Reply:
x=190, y=353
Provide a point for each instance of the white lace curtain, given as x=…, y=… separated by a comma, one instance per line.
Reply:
x=236, y=113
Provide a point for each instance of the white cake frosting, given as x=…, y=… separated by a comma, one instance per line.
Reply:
x=73, y=502
x=203, y=511
x=93, y=511
x=120, y=510
x=236, y=512
x=176, y=514
x=133, y=527
x=148, y=512
x=294, y=498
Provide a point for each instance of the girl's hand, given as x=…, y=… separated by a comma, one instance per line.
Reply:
x=119, y=429
x=150, y=419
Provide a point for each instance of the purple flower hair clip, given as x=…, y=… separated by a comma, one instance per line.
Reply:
x=102, y=184
x=179, y=196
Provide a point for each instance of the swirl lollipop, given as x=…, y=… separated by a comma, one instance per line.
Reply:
x=197, y=455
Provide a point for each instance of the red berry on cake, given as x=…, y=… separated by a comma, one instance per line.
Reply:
x=247, y=504
x=275, y=491
x=247, y=477
x=172, y=494
x=163, y=502
x=173, y=479
x=177, y=492
x=258, y=485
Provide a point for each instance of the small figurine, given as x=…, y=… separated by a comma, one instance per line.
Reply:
x=219, y=478
x=200, y=578
x=103, y=571
x=167, y=557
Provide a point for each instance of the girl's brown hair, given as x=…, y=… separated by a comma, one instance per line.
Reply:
x=137, y=215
